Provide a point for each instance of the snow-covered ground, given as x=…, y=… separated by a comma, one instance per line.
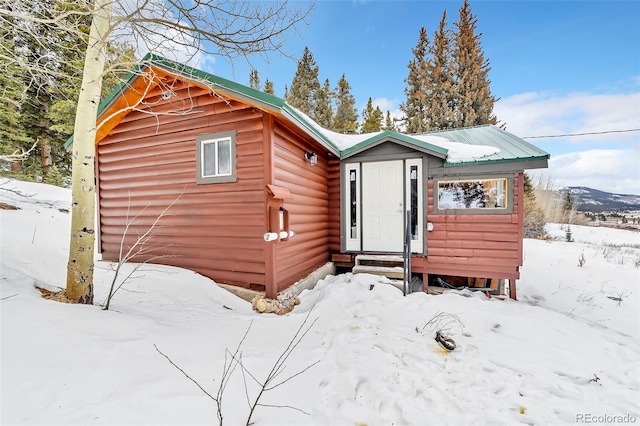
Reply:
x=567, y=352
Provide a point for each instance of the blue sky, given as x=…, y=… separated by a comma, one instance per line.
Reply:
x=558, y=67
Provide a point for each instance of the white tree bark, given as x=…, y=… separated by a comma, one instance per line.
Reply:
x=81, y=250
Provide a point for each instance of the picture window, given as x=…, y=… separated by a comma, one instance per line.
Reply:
x=473, y=194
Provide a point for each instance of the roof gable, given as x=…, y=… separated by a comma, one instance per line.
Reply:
x=152, y=68
x=398, y=138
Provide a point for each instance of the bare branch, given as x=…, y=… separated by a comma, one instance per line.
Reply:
x=9, y=297
x=18, y=154
x=279, y=367
x=185, y=374
x=285, y=406
x=292, y=376
x=234, y=359
x=14, y=191
x=141, y=248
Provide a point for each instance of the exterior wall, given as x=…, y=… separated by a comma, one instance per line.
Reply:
x=308, y=208
x=474, y=245
x=148, y=162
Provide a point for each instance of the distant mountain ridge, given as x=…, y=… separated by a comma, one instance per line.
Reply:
x=592, y=200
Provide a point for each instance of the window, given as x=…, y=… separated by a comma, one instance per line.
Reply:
x=475, y=194
x=413, y=188
x=414, y=202
x=353, y=204
x=352, y=212
x=215, y=157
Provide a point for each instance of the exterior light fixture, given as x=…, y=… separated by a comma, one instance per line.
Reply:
x=312, y=157
x=168, y=94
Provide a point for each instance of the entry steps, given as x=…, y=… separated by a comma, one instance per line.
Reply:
x=388, y=265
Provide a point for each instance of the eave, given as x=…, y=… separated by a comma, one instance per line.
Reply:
x=149, y=73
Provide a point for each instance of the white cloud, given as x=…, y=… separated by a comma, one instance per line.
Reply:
x=147, y=35
x=206, y=63
x=539, y=113
x=611, y=170
x=609, y=162
x=386, y=104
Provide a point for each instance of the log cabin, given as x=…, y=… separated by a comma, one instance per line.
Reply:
x=251, y=193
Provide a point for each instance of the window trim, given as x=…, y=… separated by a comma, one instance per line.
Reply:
x=204, y=139
x=509, y=198
x=353, y=244
x=417, y=244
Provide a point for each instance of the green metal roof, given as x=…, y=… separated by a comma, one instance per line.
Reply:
x=512, y=148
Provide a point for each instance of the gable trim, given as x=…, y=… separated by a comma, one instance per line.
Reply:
x=397, y=138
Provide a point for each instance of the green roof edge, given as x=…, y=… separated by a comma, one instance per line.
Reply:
x=497, y=161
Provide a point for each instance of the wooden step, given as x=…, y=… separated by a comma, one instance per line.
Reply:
x=387, y=271
x=372, y=258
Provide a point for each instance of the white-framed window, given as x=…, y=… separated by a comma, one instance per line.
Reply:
x=474, y=195
x=216, y=157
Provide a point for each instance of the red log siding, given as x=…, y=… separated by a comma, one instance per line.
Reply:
x=334, y=205
x=148, y=162
x=474, y=245
x=308, y=209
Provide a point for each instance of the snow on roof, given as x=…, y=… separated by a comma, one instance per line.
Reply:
x=456, y=152
x=459, y=152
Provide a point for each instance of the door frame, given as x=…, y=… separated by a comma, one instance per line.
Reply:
x=352, y=204
x=383, y=206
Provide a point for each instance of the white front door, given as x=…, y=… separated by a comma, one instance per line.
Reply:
x=382, y=206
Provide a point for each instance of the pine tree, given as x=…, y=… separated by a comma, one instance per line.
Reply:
x=389, y=124
x=471, y=71
x=268, y=87
x=440, y=83
x=120, y=58
x=415, y=106
x=12, y=133
x=346, y=117
x=39, y=90
x=567, y=206
x=324, y=110
x=49, y=104
x=528, y=186
x=371, y=118
x=254, y=79
x=534, y=218
x=305, y=84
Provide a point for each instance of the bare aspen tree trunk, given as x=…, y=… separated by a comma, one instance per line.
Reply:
x=80, y=267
